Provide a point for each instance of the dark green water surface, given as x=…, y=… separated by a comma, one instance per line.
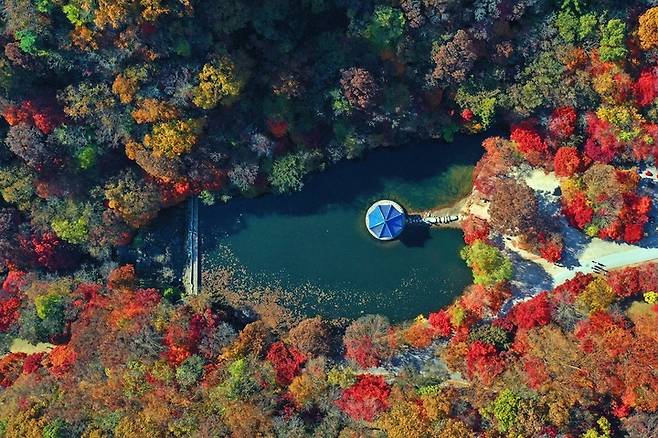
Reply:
x=314, y=243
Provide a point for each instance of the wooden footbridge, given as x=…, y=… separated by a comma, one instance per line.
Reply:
x=192, y=274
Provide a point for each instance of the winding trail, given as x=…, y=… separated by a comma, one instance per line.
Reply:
x=589, y=255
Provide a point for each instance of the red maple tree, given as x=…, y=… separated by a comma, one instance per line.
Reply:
x=532, y=313
x=562, y=123
x=440, y=321
x=530, y=144
x=566, y=161
x=646, y=87
x=366, y=399
x=286, y=360
x=483, y=361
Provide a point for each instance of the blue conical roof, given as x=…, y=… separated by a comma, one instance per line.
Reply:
x=385, y=220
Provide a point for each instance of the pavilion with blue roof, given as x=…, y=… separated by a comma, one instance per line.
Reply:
x=385, y=220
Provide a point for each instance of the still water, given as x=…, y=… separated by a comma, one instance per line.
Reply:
x=314, y=243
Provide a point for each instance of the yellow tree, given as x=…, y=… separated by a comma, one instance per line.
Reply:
x=161, y=167
x=174, y=138
x=598, y=295
x=84, y=38
x=648, y=29
x=247, y=420
x=137, y=425
x=126, y=84
x=152, y=9
x=404, y=420
x=112, y=13
x=135, y=199
x=26, y=423
x=436, y=402
x=219, y=80
x=453, y=428
x=311, y=384
x=153, y=110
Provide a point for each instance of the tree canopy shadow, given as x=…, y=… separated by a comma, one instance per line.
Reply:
x=529, y=280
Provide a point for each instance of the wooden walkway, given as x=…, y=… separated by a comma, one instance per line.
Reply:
x=192, y=274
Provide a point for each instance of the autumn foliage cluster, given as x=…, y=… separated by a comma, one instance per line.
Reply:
x=583, y=350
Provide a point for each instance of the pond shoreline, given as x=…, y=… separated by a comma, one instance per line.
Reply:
x=252, y=238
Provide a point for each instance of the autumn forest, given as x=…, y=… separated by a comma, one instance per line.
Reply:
x=113, y=112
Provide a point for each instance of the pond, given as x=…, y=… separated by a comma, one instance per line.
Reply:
x=314, y=245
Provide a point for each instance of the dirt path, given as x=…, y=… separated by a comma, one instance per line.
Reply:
x=635, y=256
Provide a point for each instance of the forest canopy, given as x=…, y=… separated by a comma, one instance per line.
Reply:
x=115, y=110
